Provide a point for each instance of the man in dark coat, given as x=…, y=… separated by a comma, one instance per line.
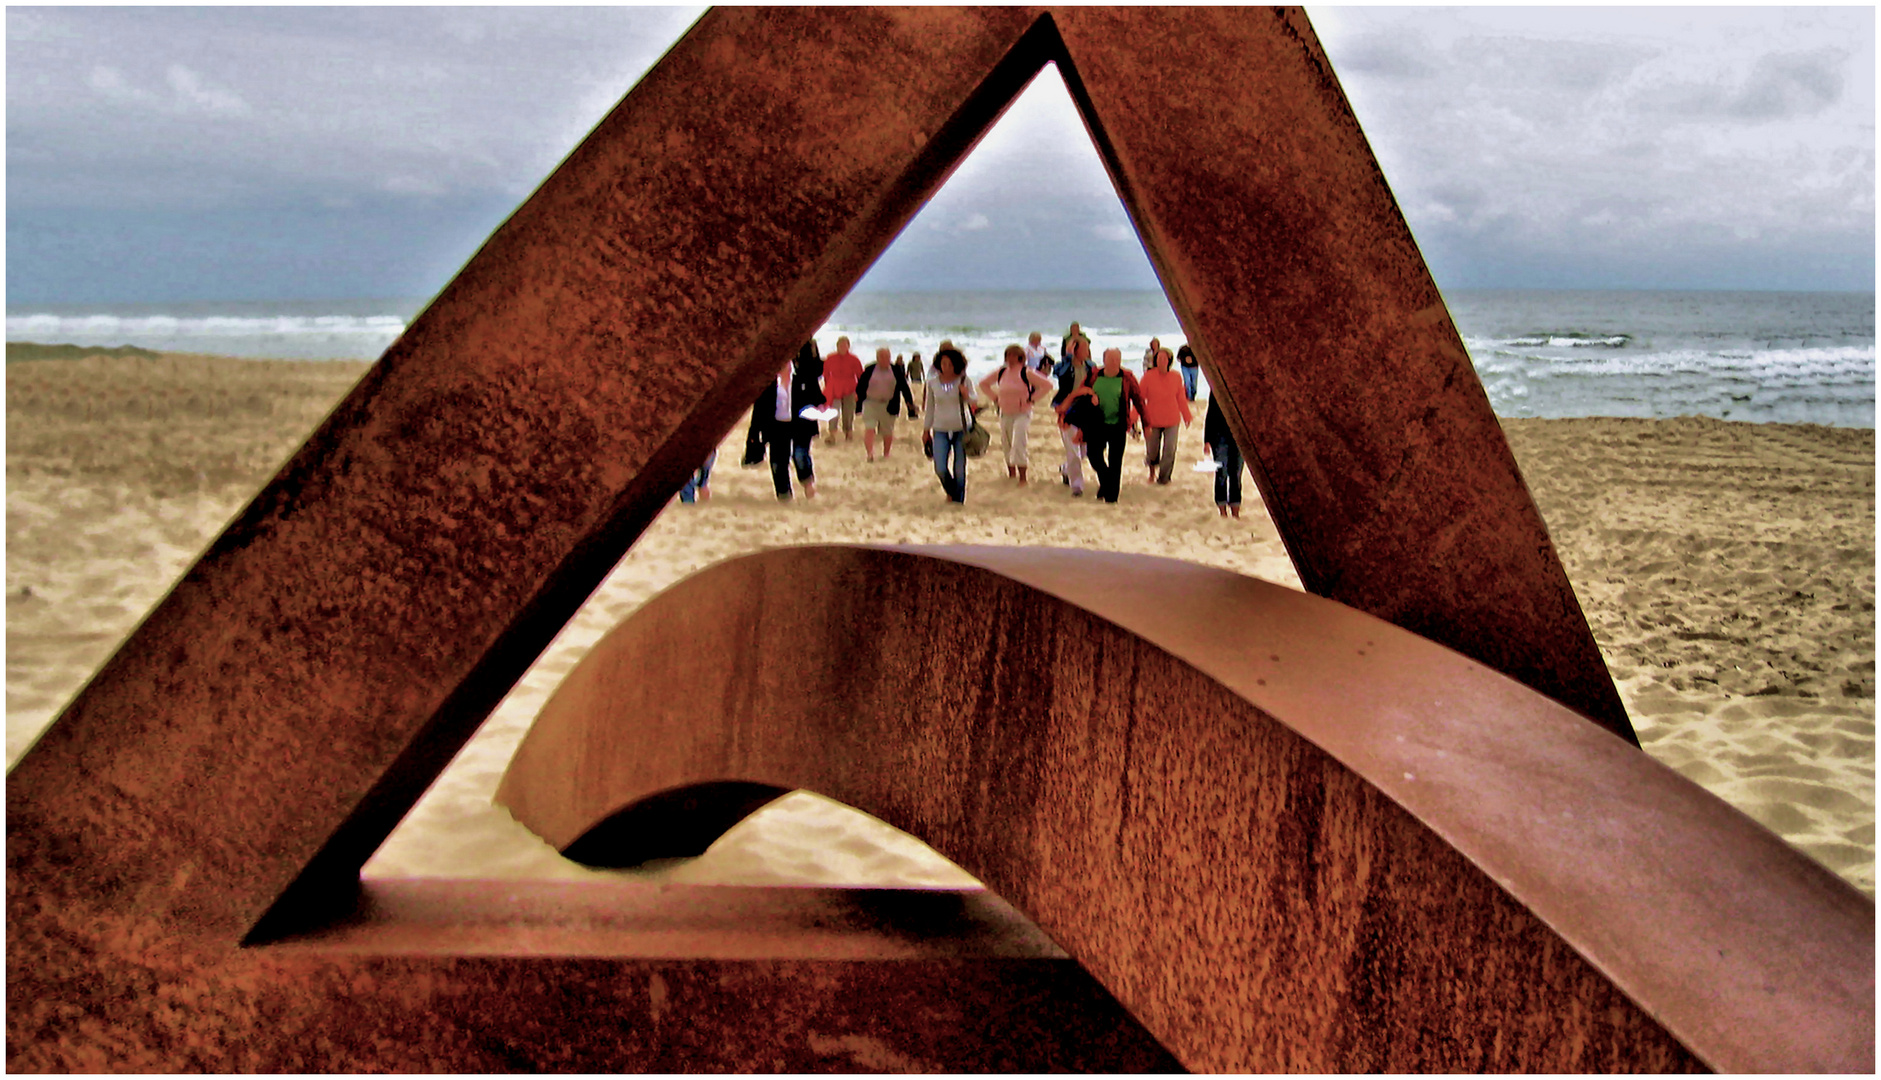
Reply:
x=881, y=390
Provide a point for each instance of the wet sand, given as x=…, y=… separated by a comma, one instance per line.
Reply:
x=1727, y=571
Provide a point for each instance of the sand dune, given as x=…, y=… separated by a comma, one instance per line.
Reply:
x=1727, y=571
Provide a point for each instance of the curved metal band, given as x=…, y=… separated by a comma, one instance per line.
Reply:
x=1285, y=834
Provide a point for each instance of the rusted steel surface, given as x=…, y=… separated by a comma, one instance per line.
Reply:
x=290, y=1011
x=639, y=920
x=1285, y=834
x=1305, y=297
x=291, y=697
x=271, y=720
x=355, y=623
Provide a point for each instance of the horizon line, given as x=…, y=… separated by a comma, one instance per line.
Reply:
x=23, y=305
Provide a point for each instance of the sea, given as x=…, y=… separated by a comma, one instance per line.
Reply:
x=1752, y=356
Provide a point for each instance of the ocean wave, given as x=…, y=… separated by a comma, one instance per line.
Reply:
x=1847, y=363
x=1833, y=362
x=1567, y=341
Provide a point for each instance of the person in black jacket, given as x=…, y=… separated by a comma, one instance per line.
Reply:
x=1218, y=443
x=880, y=391
x=1191, y=367
x=779, y=427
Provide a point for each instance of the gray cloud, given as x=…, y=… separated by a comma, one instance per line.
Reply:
x=349, y=101
x=1388, y=57
x=1677, y=147
x=1526, y=146
x=183, y=93
x=1793, y=84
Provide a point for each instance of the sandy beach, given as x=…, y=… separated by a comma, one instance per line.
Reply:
x=1727, y=571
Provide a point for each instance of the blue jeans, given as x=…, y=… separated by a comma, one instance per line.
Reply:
x=700, y=478
x=1188, y=381
x=786, y=451
x=1228, y=476
x=954, y=480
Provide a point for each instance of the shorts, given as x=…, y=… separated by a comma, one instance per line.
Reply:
x=877, y=418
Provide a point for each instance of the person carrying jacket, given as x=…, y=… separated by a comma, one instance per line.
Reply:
x=779, y=428
x=1120, y=403
x=1074, y=372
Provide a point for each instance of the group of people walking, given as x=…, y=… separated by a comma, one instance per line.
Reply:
x=1095, y=408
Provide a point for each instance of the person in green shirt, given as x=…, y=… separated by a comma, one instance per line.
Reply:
x=1121, y=402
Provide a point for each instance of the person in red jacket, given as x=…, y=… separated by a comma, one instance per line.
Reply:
x=841, y=369
x=1165, y=401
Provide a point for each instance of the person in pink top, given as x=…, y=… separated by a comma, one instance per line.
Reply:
x=1015, y=387
x=841, y=369
x=1165, y=401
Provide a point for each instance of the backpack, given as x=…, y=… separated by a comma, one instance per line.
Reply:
x=1031, y=389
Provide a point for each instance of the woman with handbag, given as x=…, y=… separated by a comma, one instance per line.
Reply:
x=949, y=415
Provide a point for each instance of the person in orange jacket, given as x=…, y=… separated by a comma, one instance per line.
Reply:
x=1164, y=402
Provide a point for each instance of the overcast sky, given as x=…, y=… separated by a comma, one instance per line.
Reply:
x=164, y=154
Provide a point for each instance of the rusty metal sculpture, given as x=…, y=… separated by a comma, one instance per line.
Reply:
x=1286, y=835
x=224, y=775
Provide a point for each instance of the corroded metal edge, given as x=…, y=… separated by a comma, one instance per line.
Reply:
x=279, y=711
x=1752, y=955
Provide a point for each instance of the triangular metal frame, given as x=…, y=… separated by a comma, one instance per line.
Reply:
x=275, y=716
